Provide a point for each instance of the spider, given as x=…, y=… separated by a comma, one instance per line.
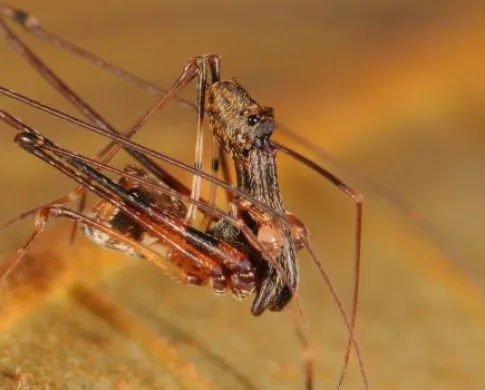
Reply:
x=249, y=250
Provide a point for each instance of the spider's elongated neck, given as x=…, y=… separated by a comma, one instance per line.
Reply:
x=257, y=175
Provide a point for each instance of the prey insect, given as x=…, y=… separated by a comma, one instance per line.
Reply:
x=250, y=249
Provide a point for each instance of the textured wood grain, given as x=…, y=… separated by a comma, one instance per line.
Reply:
x=395, y=88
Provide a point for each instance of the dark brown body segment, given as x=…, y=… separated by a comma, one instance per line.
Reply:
x=243, y=128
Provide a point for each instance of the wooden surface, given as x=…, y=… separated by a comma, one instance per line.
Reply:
x=393, y=88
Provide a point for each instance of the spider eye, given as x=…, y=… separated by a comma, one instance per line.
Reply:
x=253, y=120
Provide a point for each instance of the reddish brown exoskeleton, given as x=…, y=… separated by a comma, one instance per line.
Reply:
x=250, y=249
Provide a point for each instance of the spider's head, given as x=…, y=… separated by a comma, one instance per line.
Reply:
x=239, y=123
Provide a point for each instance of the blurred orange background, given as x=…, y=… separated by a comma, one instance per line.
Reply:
x=393, y=89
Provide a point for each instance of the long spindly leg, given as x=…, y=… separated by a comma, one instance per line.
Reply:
x=80, y=105
x=41, y=219
x=302, y=240
x=270, y=236
x=306, y=350
x=31, y=24
x=197, y=64
x=161, y=175
x=57, y=83
x=196, y=182
x=219, y=161
x=39, y=226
